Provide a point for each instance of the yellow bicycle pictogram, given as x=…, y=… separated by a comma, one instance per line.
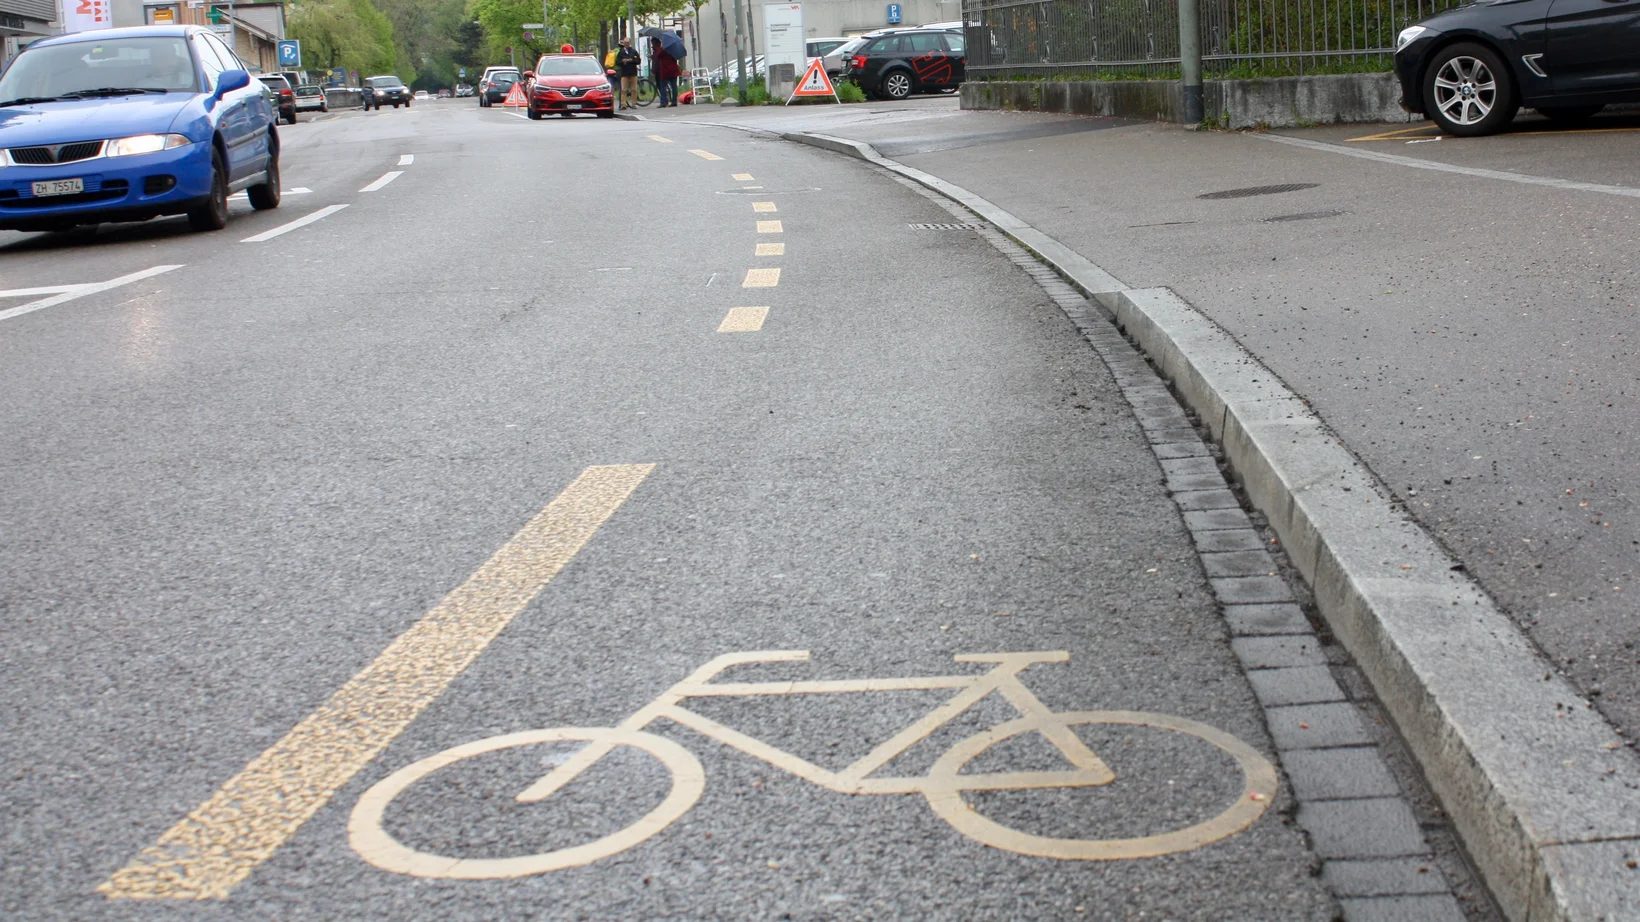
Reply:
x=943, y=785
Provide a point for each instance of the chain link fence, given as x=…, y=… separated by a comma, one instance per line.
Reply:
x=1138, y=39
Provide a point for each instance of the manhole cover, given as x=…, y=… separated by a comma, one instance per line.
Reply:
x=1306, y=216
x=1259, y=190
x=944, y=226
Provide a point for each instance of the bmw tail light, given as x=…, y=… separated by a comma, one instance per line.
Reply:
x=858, y=62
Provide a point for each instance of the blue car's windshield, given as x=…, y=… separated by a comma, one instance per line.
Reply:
x=117, y=67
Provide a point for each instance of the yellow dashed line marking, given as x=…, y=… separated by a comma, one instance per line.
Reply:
x=219, y=844
x=764, y=206
x=761, y=278
x=743, y=320
x=771, y=249
x=770, y=227
x=743, y=177
x=656, y=137
x=704, y=154
x=751, y=187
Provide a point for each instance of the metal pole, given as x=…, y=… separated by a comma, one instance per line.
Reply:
x=751, y=37
x=1190, y=62
x=631, y=24
x=740, y=52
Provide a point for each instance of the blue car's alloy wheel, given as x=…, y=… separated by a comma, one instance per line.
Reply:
x=213, y=214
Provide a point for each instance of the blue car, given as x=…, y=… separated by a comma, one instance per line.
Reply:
x=132, y=124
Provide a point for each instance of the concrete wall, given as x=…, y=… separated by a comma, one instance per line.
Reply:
x=821, y=18
x=1277, y=102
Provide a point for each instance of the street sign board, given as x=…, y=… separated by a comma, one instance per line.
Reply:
x=893, y=14
x=534, y=27
x=290, y=53
x=783, y=37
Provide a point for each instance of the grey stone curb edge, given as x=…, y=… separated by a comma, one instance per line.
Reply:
x=1543, y=791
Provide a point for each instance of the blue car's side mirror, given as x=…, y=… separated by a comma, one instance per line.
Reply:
x=230, y=80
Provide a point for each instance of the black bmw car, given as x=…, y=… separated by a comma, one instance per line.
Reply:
x=1471, y=69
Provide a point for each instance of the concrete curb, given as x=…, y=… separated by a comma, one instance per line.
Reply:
x=1544, y=793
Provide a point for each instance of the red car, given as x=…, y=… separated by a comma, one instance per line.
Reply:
x=567, y=84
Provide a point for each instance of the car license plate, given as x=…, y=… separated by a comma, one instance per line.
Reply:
x=573, y=105
x=59, y=187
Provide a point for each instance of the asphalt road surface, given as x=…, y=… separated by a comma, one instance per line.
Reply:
x=280, y=521
x=1471, y=335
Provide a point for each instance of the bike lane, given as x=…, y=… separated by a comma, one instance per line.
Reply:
x=934, y=465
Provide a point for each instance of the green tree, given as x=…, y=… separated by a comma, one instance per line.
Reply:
x=350, y=34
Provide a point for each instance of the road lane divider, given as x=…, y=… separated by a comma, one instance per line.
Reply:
x=62, y=294
x=764, y=207
x=303, y=221
x=761, y=278
x=743, y=320
x=751, y=187
x=406, y=159
x=217, y=846
x=771, y=249
x=657, y=138
x=743, y=177
x=705, y=155
x=387, y=177
x=770, y=227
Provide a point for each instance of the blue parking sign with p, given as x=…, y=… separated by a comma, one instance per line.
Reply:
x=893, y=14
x=290, y=53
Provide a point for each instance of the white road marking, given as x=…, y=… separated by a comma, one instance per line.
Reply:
x=387, y=177
x=303, y=221
x=28, y=292
x=299, y=190
x=406, y=159
x=1503, y=175
x=65, y=293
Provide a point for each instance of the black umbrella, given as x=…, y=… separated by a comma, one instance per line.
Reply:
x=650, y=31
x=673, y=45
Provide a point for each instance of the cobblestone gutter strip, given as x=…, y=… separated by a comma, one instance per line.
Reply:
x=1542, y=790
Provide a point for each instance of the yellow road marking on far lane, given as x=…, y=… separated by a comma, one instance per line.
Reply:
x=219, y=844
x=1398, y=133
x=771, y=249
x=770, y=227
x=743, y=177
x=656, y=137
x=764, y=206
x=761, y=278
x=705, y=154
x=743, y=320
x=751, y=187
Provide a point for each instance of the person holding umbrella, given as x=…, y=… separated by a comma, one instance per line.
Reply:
x=666, y=52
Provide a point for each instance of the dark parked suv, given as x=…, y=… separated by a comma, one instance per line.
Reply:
x=1470, y=69
x=908, y=61
x=284, y=96
x=385, y=91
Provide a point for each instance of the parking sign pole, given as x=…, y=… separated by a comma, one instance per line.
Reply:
x=1190, y=62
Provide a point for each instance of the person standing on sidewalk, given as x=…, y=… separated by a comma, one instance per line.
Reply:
x=626, y=64
x=666, y=74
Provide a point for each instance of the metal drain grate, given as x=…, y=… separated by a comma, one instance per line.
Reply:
x=1305, y=216
x=1259, y=190
x=967, y=227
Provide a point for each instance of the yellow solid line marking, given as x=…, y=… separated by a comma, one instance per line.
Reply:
x=751, y=187
x=770, y=227
x=705, y=155
x=743, y=320
x=1397, y=133
x=764, y=206
x=771, y=249
x=761, y=278
x=219, y=844
x=743, y=177
x=656, y=137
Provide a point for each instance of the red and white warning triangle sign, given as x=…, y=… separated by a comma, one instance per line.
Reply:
x=515, y=96
x=814, y=83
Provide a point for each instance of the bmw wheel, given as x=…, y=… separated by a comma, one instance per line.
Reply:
x=896, y=85
x=1469, y=91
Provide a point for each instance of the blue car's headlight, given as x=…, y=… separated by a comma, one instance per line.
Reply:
x=144, y=144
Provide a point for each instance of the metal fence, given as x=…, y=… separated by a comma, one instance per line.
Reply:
x=1140, y=38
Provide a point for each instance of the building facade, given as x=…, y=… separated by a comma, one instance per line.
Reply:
x=252, y=29
x=821, y=19
x=23, y=21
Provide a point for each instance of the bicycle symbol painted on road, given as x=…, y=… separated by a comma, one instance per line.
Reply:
x=942, y=786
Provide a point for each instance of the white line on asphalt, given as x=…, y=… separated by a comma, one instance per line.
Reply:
x=77, y=291
x=304, y=221
x=1503, y=175
x=406, y=159
x=47, y=290
x=387, y=177
x=299, y=190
